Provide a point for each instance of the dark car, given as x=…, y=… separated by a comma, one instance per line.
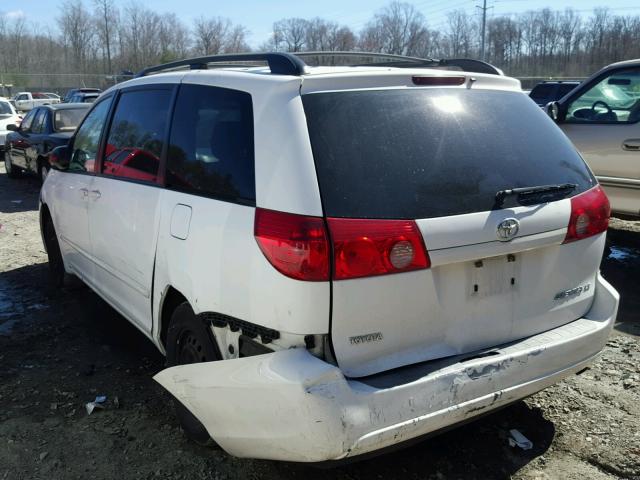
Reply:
x=550, y=91
x=74, y=91
x=41, y=130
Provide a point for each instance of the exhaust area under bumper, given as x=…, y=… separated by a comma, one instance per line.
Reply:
x=290, y=405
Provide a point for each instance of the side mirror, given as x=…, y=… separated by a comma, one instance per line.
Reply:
x=13, y=127
x=553, y=110
x=60, y=157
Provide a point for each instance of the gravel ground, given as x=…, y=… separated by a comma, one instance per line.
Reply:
x=59, y=349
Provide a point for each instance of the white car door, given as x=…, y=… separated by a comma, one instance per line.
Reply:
x=23, y=102
x=124, y=201
x=68, y=193
x=603, y=122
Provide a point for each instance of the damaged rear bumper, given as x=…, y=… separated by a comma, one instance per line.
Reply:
x=289, y=405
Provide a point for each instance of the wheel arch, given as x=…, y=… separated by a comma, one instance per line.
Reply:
x=44, y=214
x=171, y=299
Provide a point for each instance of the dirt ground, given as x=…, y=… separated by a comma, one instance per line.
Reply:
x=59, y=350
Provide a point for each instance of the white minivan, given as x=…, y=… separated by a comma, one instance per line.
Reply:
x=334, y=260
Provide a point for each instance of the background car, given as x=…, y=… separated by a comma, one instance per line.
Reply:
x=43, y=129
x=550, y=91
x=53, y=95
x=8, y=116
x=25, y=101
x=602, y=119
x=74, y=91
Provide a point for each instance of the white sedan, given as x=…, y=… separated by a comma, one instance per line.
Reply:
x=8, y=115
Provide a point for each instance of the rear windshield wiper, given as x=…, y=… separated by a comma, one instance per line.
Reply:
x=533, y=195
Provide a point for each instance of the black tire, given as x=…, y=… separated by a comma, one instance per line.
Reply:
x=57, y=273
x=11, y=169
x=190, y=341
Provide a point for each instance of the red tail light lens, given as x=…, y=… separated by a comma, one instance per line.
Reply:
x=590, y=212
x=296, y=245
x=364, y=248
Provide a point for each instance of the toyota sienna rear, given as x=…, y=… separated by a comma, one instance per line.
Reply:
x=348, y=258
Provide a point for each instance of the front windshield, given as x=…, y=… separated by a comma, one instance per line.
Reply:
x=67, y=120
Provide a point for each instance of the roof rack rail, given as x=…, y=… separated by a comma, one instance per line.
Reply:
x=280, y=63
x=283, y=63
x=401, y=61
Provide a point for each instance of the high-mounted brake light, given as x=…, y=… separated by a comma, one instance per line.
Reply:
x=590, y=212
x=296, y=245
x=363, y=248
x=438, y=81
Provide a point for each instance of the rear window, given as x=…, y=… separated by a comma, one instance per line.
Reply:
x=542, y=91
x=565, y=88
x=67, y=120
x=422, y=153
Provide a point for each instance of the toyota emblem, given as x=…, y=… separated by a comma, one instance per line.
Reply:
x=507, y=229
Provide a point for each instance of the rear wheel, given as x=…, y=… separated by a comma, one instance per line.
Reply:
x=12, y=170
x=190, y=341
x=56, y=265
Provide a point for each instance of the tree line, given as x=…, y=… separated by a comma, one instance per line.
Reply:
x=101, y=37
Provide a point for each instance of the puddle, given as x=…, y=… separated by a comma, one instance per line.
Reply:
x=624, y=254
x=7, y=327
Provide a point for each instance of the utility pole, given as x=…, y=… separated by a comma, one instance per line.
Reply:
x=484, y=9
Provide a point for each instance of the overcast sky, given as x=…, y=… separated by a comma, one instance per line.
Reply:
x=258, y=16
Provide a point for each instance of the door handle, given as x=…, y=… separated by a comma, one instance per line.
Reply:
x=632, y=144
x=85, y=192
x=95, y=194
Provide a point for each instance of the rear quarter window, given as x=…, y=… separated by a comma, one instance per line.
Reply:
x=422, y=153
x=211, y=149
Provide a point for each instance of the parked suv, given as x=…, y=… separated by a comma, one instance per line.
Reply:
x=334, y=259
x=602, y=119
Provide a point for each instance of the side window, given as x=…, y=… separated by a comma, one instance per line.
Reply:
x=25, y=125
x=211, y=150
x=23, y=97
x=38, y=123
x=614, y=99
x=138, y=129
x=87, y=139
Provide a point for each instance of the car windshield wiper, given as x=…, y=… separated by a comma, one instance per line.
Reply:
x=533, y=195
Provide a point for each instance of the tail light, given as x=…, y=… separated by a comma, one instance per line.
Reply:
x=590, y=212
x=296, y=245
x=363, y=248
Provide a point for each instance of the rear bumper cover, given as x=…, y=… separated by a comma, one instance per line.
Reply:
x=289, y=405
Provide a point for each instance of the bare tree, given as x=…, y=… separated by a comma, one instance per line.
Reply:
x=211, y=34
x=106, y=17
x=398, y=28
x=77, y=30
x=290, y=34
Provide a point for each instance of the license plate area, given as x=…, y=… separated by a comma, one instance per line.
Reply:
x=493, y=276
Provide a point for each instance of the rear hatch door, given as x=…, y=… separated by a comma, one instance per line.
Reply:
x=438, y=156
